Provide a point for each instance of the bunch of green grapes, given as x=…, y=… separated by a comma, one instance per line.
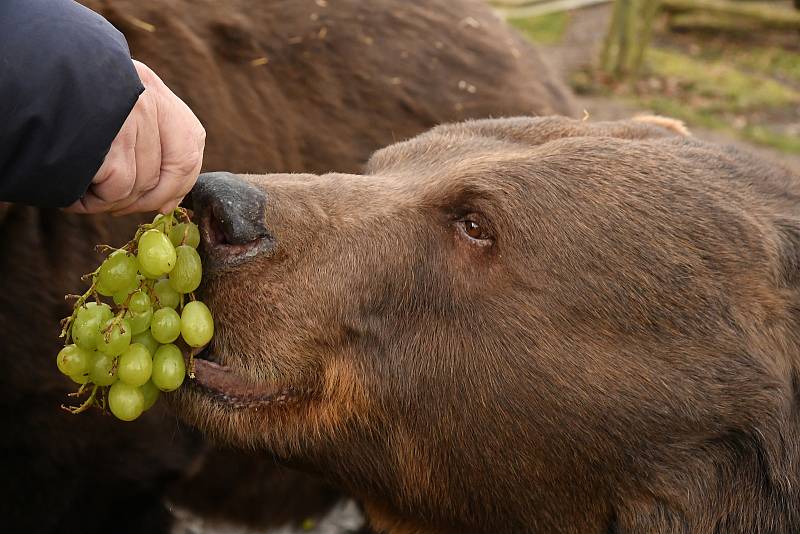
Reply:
x=125, y=351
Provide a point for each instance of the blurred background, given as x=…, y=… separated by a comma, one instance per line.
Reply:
x=729, y=68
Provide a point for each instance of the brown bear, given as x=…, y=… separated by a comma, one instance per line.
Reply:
x=516, y=325
x=282, y=86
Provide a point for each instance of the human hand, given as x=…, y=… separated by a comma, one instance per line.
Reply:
x=155, y=158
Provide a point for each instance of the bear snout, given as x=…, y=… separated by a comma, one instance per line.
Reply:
x=230, y=213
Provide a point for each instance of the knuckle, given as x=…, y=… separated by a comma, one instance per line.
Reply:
x=145, y=103
x=130, y=177
x=150, y=184
x=119, y=185
x=188, y=162
x=105, y=171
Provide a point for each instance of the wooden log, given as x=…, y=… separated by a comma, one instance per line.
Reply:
x=515, y=3
x=537, y=8
x=767, y=16
x=709, y=22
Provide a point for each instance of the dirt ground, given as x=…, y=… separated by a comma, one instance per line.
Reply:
x=580, y=46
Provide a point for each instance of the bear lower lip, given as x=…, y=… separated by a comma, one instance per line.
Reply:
x=235, y=390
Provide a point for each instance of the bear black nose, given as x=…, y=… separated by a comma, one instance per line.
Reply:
x=230, y=213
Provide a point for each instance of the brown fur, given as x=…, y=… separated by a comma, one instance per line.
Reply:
x=324, y=101
x=621, y=356
x=382, y=71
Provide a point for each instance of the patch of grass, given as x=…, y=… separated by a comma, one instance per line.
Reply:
x=674, y=108
x=717, y=86
x=765, y=136
x=544, y=29
x=711, y=121
x=771, y=61
x=717, y=94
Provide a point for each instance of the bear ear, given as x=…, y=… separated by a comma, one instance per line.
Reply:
x=668, y=123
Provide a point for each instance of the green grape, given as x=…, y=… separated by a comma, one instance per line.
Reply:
x=102, y=371
x=185, y=276
x=140, y=302
x=197, y=325
x=102, y=308
x=117, y=272
x=126, y=402
x=147, y=274
x=166, y=325
x=150, y=392
x=168, y=368
x=73, y=360
x=139, y=321
x=103, y=290
x=156, y=254
x=122, y=295
x=82, y=331
x=185, y=234
x=161, y=222
x=86, y=328
x=114, y=336
x=146, y=338
x=166, y=295
x=135, y=365
x=80, y=379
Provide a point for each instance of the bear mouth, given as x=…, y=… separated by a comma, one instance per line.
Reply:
x=234, y=389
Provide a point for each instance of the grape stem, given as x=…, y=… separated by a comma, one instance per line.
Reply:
x=77, y=393
x=105, y=249
x=83, y=407
x=185, y=214
x=151, y=292
x=103, y=399
x=122, y=310
x=115, y=322
x=114, y=366
x=190, y=365
x=66, y=323
x=124, y=306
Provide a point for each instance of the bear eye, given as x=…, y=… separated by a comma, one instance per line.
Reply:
x=474, y=230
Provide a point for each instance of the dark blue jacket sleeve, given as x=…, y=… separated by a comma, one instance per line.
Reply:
x=67, y=84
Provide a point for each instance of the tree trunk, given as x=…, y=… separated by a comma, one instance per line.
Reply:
x=628, y=37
